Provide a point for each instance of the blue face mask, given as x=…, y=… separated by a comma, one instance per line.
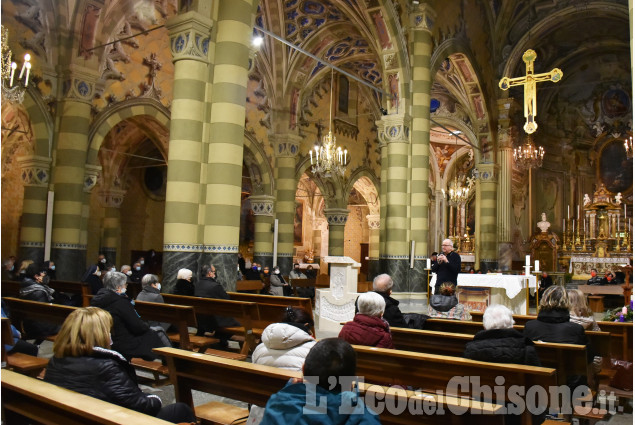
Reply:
x=137, y=268
x=52, y=267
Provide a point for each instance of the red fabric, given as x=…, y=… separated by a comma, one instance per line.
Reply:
x=366, y=330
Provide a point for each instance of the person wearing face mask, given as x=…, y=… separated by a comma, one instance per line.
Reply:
x=209, y=287
x=252, y=272
x=277, y=283
x=50, y=270
x=127, y=270
x=93, y=278
x=137, y=272
x=101, y=262
x=296, y=273
x=595, y=279
x=33, y=288
x=131, y=336
x=8, y=268
x=184, y=285
x=151, y=292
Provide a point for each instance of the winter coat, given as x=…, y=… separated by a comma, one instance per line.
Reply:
x=34, y=291
x=131, y=336
x=152, y=295
x=297, y=275
x=287, y=407
x=502, y=346
x=95, y=283
x=284, y=346
x=367, y=330
x=105, y=375
x=277, y=283
x=208, y=287
x=392, y=313
x=555, y=326
x=184, y=287
x=587, y=322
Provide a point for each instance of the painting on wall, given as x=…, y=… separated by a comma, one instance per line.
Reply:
x=297, y=223
x=615, y=169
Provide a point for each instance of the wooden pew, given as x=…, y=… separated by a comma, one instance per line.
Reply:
x=28, y=400
x=364, y=286
x=567, y=359
x=249, y=285
x=12, y=289
x=19, y=362
x=432, y=372
x=21, y=309
x=244, y=312
x=299, y=302
x=301, y=283
x=192, y=371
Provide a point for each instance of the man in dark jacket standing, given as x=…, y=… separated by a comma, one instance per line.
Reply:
x=209, y=287
x=447, y=266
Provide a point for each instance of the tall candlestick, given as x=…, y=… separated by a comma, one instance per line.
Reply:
x=536, y=265
x=563, y=225
x=578, y=212
x=428, y=263
x=527, y=260
x=568, y=216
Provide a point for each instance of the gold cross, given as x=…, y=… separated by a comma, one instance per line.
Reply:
x=529, y=81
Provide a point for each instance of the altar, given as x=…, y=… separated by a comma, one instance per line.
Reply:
x=580, y=266
x=508, y=290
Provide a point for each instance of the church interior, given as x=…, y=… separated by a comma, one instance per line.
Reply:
x=190, y=132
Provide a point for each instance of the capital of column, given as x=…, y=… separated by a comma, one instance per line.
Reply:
x=35, y=170
x=79, y=83
x=189, y=36
x=373, y=221
x=394, y=128
x=262, y=205
x=91, y=176
x=286, y=145
x=111, y=198
x=486, y=172
x=422, y=17
x=336, y=216
x=505, y=138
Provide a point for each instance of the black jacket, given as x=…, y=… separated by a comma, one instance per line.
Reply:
x=34, y=291
x=184, y=287
x=208, y=287
x=597, y=280
x=131, y=336
x=545, y=282
x=105, y=375
x=95, y=283
x=392, y=313
x=502, y=346
x=447, y=272
x=554, y=326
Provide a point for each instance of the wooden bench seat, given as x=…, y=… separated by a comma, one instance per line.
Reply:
x=28, y=400
x=249, y=285
x=299, y=302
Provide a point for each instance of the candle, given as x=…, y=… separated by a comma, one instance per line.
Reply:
x=428, y=263
x=584, y=226
x=563, y=227
x=527, y=263
x=624, y=310
x=345, y=151
x=568, y=216
x=28, y=70
x=574, y=225
x=13, y=67
x=578, y=211
x=536, y=265
x=311, y=155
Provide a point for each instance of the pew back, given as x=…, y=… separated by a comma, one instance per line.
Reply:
x=179, y=315
x=12, y=289
x=249, y=285
x=299, y=302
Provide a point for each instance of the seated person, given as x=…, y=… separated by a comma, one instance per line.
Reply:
x=127, y=270
x=382, y=284
x=595, y=279
x=184, y=285
x=609, y=278
x=19, y=346
x=500, y=342
x=253, y=272
x=93, y=278
x=368, y=327
x=131, y=336
x=579, y=311
x=277, y=283
x=331, y=357
x=310, y=272
x=445, y=304
x=33, y=288
x=83, y=362
x=209, y=287
x=296, y=273
x=21, y=274
x=545, y=282
x=151, y=292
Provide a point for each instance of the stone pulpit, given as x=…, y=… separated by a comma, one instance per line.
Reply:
x=337, y=303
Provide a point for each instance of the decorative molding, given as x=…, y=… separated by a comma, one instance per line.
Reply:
x=422, y=17
x=394, y=128
x=112, y=198
x=336, y=216
x=79, y=84
x=30, y=244
x=345, y=128
x=189, y=37
x=62, y=245
x=35, y=170
x=262, y=205
x=182, y=247
x=91, y=176
x=486, y=172
x=223, y=249
x=373, y=222
x=280, y=254
x=286, y=145
x=335, y=312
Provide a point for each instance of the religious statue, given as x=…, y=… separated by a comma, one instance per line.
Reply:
x=587, y=200
x=618, y=198
x=544, y=224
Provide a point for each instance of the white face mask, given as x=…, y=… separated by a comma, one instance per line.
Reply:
x=129, y=272
x=277, y=272
x=113, y=269
x=103, y=260
x=98, y=273
x=159, y=287
x=142, y=262
x=122, y=291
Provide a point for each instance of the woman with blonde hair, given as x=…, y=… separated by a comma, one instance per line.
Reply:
x=83, y=362
x=580, y=312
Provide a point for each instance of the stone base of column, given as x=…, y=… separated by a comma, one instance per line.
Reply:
x=111, y=256
x=488, y=264
x=172, y=262
x=286, y=264
x=226, y=267
x=398, y=270
x=31, y=253
x=418, y=277
x=70, y=264
x=374, y=269
x=505, y=256
x=264, y=259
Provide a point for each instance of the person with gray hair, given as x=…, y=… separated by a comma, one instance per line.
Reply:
x=151, y=292
x=131, y=336
x=382, y=284
x=500, y=342
x=368, y=327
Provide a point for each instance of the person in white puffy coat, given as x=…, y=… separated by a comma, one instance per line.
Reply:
x=284, y=345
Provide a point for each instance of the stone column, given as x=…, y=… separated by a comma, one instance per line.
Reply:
x=336, y=217
x=317, y=241
x=287, y=147
x=383, y=208
x=504, y=201
x=227, y=134
x=422, y=19
x=190, y=45
x=68, y=250
x=485, y=232
x=35, y=176
x=373, y=245
x=394, y=131
x=111, y=200
x=263, y=208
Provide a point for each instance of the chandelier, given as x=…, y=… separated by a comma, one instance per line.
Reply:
x=14, y=94
x=528, y=155
x=328, y=158
x=628, y=146
x=457, y=193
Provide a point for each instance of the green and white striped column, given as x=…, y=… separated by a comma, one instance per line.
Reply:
x=223, y=176
x=394, y=131
x=383, y=210
x=190, y=44
x=262, y=207
x=486, y=216
x=111, y=200
x=68, y=250
x=35, y=176
x=422, y=19
x=286, y=148
x=336, y=218
x=317, y=241
x=504, y=204
x=373, y=245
